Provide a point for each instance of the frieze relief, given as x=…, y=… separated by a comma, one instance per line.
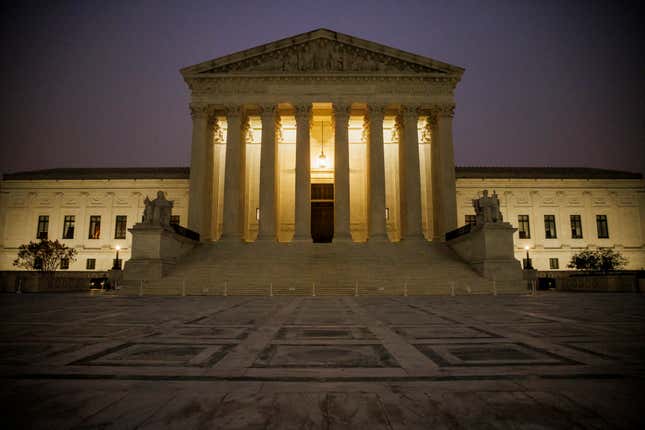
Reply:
x=271, y=86
x=96, y=200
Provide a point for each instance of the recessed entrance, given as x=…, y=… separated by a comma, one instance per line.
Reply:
x=322, y=213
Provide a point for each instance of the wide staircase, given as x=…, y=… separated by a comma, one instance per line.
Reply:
x=263, y=268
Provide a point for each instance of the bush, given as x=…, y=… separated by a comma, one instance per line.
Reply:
x=45, y=255
x=603, y=259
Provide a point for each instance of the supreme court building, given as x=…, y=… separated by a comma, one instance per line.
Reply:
x=324, y=158
x=322, y=137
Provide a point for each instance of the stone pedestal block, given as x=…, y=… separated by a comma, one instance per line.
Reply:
x=155, y=251
x=488, y=248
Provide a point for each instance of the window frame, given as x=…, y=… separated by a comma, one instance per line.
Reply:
x=602, y=226
x=554, y=263
x=64, y=263
x=470, y=219
x=578, y=222
x=87, y=264
x=175, y=219
x=94, y=225
x=520, y=225
x=120, y=226
x=549, y=220
x=67, y=224
x=42, y=228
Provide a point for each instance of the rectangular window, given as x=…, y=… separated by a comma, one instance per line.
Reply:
x=95, y=227
x=120, y=226
x=523, y=226
x=603, y=229
x=471, y=219
x=554, y=263
x=68, y=227
x=43, y=227
x=174, y=219
x=549, y=227
x=64, y=263
x=576, y=227
x=90, y=264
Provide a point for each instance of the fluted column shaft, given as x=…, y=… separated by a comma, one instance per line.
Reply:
x=198, y=169
x=341, y=173
x=442, y=138
x=268, y=215
x=234, y=178
x=435, y=173
x=376, y=224
x=303, y=174
x=410, y=176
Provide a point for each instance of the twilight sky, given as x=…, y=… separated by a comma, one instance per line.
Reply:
x=547, y=83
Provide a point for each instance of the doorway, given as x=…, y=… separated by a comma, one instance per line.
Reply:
x=322, y=213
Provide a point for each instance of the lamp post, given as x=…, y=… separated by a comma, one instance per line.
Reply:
x=527, y=261
x=117, y=263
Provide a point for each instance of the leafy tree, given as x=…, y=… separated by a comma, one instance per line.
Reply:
x=45, y=255
x=603, y=259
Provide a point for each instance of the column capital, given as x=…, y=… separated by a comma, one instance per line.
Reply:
x=409, y=111
x=376, y=111
x=341, y=109
x=443, y=110
x=233, y=110
x=199, y=111
x=303, y=111
x=268, y=110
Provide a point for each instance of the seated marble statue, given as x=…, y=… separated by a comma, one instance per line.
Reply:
x=158, y=211
x=487, y=209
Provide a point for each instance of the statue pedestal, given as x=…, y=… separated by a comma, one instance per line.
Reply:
x=489, y=250
x=155, y=251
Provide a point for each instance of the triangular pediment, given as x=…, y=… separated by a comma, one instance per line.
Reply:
x=322, y=51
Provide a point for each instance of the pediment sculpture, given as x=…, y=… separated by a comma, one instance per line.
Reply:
x=323, y=55
x=158, y=211
x=487, y=209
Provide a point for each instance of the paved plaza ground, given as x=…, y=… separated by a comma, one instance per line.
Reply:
x=551, y=361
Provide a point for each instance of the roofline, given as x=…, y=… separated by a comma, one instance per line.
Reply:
x=524, y=172
x=320, y=33
x=100, y=173
x=461, y=172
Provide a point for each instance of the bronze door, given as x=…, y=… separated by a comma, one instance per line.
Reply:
x=322, y=221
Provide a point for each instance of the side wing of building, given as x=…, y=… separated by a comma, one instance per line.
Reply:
x=557, y=212
x=560, y=211
x=87, y=209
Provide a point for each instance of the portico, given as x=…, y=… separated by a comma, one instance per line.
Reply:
x=372, y=123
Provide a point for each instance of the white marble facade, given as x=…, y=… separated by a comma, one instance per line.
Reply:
x=22, y=201
x=263, y=117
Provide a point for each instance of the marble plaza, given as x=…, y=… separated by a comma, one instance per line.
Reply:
x=555, y=360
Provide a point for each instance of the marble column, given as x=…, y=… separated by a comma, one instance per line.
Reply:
x=200, y=114
x=303, y=174
x=268, y=179
x=234, y=178
x=341, y=173
x=409, y=175
x=208, y=222
x=446, y=209
x=435, y=175
x=376, y=158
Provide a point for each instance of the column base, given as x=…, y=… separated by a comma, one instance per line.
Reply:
x=302, y=239
x=344, y=238
x=231, y=238
x=266, y=238
x=379, y=238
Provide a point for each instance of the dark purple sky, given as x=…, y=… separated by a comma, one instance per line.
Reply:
x=547, y=83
